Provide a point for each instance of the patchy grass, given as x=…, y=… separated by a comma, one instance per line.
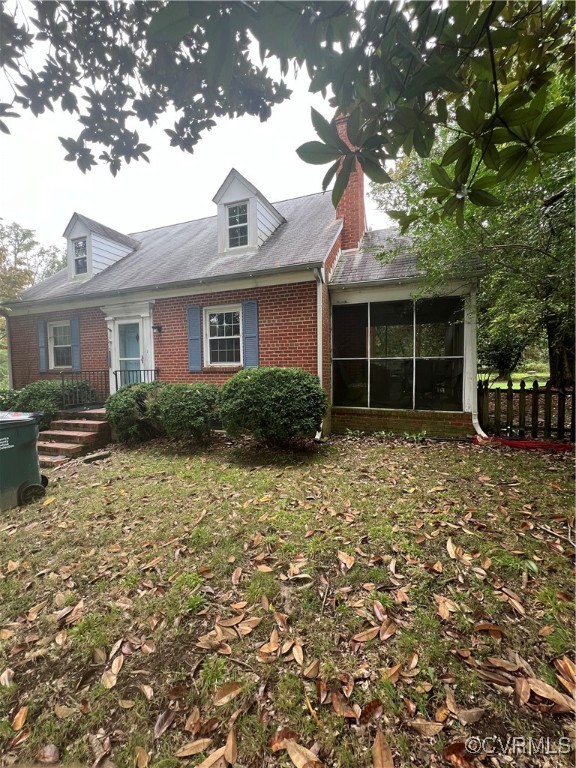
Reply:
x=143, y=585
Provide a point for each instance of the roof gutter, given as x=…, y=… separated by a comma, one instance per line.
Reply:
x=395, y=281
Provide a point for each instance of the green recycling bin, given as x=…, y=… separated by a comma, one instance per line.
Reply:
x=20, y=478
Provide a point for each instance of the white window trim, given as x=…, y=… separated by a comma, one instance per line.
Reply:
x=206, y=338
x=74, y=258
x=229, y=226
x=50, y=330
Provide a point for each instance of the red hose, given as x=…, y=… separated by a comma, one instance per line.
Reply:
x=524, y=445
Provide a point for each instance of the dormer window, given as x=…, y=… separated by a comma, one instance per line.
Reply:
x=237, y=225
x=80, y=257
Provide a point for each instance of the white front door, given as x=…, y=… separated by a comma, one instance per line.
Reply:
x=131, y=349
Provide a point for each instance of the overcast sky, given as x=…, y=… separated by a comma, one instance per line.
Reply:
x=40, y=190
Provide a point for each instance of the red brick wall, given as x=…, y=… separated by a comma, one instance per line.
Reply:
x=24, y=343
x=434, y=423
x=351, y=206
x=286, y=330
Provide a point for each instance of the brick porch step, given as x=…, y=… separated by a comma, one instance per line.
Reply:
x=63, y=449
x=69, y=435
x=51, y=462
x=94, y=414
x=79, y=425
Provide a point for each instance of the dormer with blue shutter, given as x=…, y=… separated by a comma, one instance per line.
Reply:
x=92, y=247
x=245, y=217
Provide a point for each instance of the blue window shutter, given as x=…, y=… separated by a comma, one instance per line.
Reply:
x=250, y=333
x=194, y=338
x=42, y=348
x=75, y=343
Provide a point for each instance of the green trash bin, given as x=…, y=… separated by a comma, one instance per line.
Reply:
x=20, y=478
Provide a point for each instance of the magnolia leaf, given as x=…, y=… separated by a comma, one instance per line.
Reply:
x=381, y=752
x=164, y=721
x=346, y=561
x=300, y=756
x=193, y=748
x=141, y=757
x=316, y=153
x=19, y=719
x=367, y=634
x=426, y=727
x=212, y=760
x=226, y=693
x=231, y=749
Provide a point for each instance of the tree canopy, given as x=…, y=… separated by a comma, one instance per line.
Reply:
x=400, y=71
x=526, y=246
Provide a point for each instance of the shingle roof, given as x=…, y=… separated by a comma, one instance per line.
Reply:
x=111, y=234
x=399, y=262
x=188, y=252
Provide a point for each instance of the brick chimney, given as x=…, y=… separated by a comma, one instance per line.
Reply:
x=351, y=206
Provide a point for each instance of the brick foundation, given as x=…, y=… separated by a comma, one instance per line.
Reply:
x=434, y=423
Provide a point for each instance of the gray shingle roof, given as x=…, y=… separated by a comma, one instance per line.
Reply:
x=188, y=252
x=111, y=234
x=399, y=262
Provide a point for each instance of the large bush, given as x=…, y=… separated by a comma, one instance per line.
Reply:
x=186, y=410
x=8, y=399
x=274, y=404
x=131, y=414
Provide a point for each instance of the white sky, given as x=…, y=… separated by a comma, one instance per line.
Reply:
x=40, y=190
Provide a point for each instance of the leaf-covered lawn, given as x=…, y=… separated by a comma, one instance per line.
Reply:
x=366, y=602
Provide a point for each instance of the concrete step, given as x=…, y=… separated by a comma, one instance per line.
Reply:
x=55, y=449
x=51, y=462
x=78, y=425
x=69, y=436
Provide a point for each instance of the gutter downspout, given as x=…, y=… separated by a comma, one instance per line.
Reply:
x=474, y=357
x=319, y=339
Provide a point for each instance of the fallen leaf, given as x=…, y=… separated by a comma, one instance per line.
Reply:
x=231, y=750
x=236, y=576
x=387, y=629
x=300, y=756
x=298, y=654
x=141, y=757
x=381, y=752
x=278, y=741
x=20, y=719
x=164, y=721
x=108, y=679
x=346, y=561
x=147, y=690
x=371, y=711
x=6, y=677
x=213, y=759
x=117, y=664
x=563, y=703
x=48, y=755
x=312, y=670
x=454, y=755
x=193, y=748
x=522, y=690
x=469, y=716
x=367, y=634
x=426, y=727
x=226, y=693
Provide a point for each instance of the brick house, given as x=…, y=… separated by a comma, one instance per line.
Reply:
x=291, y=284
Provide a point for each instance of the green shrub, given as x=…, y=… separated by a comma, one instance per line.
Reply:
x=130, y=413
x=274, y=404
x=46, y=397
x=186, y=410
x=8, y=399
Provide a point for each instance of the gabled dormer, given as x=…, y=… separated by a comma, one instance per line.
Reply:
x=92, y=247
x=245, y=218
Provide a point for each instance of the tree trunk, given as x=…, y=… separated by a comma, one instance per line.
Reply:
x=561, y=342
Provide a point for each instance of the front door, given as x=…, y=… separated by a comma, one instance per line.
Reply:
x=130, y=359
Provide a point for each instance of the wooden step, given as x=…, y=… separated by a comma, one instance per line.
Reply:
x=77, y=425
x=64, y=449
x=68, y=436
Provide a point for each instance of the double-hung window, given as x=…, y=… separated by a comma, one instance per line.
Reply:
x=399, y=354
x=80, y=257
x=237, y=225
x=59, y=345
x=223, y=335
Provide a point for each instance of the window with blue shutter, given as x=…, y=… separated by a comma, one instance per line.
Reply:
x=250, y=333
x=194, y=338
